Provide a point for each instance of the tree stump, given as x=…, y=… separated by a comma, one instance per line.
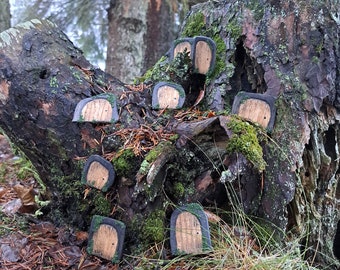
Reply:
x=259, y=50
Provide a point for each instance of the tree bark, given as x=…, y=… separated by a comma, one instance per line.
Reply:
x=283, y=50
x=5, y=15
x=138, y=36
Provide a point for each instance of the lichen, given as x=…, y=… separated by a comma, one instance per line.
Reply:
x=257, y=8
x=154, y=228
x=245, y=141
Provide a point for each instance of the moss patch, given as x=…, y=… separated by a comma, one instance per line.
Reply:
x=245, y=141
x=154, y=228
x=123, y=163
x=101, y=205
x=179, y=190
x=194, y=26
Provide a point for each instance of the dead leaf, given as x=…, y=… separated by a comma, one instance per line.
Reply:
x=86, y=192
x=26, y=195
x=3, y=191
x=82, y=236
x=199, y=98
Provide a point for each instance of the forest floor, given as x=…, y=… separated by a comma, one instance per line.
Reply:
x=27, y=242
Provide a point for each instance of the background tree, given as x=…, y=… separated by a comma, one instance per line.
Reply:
x=125, y=37
x=5, y=15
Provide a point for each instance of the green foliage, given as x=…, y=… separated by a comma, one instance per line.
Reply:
x=245, y=141
x=154, y=228
x=11, y=224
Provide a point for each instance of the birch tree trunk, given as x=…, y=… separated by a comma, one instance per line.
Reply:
x=139, y=34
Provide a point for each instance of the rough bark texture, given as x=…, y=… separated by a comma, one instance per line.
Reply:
x=288, y=50
x=141, y=33
x=5, y=15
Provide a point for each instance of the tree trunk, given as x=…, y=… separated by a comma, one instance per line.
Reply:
x=5, y=15
x=138, y=36
x=287, y=51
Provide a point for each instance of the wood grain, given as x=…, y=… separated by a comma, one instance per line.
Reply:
x=188, y=233
x=168, y=97
x=255, y=110
x=97, y=175
x=105, y=242
x=97, y=110
x=203, y=57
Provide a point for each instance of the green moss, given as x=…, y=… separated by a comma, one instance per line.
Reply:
x=194, y=26
x=111, y=98
x=234, y=28
x=154, y=228
x=96, y=221
x=174, y=137
x=177, y=70
x=179, y=190
x=101, y=205
x=220, y=65
x=123, y=164
x=156, y=151
x=245, y=141
x=152, y=156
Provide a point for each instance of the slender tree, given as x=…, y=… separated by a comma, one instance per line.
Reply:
x=5, y=15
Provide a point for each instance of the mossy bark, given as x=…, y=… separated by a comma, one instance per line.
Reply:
x=288, y=50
